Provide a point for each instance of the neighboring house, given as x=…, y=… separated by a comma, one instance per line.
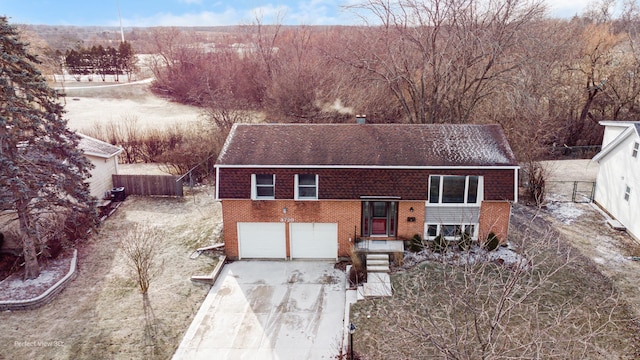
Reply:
x=312, y=190
x=104, y=157
x=618, y=180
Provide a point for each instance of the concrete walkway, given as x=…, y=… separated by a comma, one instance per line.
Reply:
x=270, y=310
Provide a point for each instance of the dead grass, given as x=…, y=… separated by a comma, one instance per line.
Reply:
x=597, y=304
x=101, y=314
x=89, y=105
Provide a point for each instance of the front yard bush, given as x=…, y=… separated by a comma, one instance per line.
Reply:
x=492, y=242
x=416, y=244
x=439, y=244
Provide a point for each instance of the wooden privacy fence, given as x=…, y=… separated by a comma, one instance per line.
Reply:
x=168, y=185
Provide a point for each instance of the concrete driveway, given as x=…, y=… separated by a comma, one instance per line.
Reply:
x=269, y=310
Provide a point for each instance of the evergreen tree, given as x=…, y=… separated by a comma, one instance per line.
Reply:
x=127, y=59
x=42, y=170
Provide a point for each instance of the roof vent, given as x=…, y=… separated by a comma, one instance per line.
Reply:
x=361, y=119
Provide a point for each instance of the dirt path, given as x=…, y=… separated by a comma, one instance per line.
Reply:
x=101, y=313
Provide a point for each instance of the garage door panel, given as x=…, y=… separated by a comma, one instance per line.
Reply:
x=262, y=240
x=314, y=240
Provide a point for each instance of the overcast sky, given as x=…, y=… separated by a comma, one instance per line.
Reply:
x=199, y=12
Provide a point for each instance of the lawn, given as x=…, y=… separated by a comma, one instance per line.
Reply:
x=101, y=313
x=559, y=305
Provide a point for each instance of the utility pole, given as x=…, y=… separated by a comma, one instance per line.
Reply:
x=120, y=17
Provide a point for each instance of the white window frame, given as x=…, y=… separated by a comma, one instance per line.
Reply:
x=297, y=188
x=254, y=188
x=479, y=191
x=474, y=235
x=635, y=150
x=627, y=193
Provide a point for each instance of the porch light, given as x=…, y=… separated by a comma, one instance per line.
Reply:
x=284, y=210
x=411, y=209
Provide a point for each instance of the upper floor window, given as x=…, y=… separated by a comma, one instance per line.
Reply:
x=306, y=186
x=636, y=148
x=263, y=186
x=627, y=193
x=454, y=189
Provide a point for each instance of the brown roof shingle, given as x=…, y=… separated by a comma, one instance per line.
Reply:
x=386, y=145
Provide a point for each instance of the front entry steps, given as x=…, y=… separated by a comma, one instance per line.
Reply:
x=377, y=263
x=378, y=280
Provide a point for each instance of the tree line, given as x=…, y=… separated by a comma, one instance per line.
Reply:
x=547, y=81
x=102, y=61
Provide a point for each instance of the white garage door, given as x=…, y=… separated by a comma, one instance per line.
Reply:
x=262, y=240
x=314, y=240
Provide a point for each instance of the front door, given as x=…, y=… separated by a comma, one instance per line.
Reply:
x=379, y=218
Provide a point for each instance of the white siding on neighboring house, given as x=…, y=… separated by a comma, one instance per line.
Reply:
x=104, y=158
x=618, y=180
x=612, y=129
x=101, y=180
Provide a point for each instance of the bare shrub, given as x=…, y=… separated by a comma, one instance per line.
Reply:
x=545, y=305
x=178, y=148
x=141, y=246
x=358, y=272
x=195, y=152
x=537, y=174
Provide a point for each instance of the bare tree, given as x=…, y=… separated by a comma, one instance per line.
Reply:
x=441, y=58
x=468, y=307
x=141, y=245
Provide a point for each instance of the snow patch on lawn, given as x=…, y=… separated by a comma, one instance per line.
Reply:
x=14, y=287
x=564, y=211
x=504, y=255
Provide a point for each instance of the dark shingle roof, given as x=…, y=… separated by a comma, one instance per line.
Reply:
x=366, y=145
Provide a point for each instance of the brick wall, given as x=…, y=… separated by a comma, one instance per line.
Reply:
x=494, y=217
x=351, y=184
x=407, y=229
x=347, y=214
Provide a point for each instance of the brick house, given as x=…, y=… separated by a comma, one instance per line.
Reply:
x=313, y=190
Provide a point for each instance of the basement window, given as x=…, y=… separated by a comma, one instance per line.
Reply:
x=451, y=231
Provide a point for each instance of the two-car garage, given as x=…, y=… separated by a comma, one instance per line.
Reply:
x=269, y=240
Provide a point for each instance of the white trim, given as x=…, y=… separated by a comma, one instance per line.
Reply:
x=479, y=191
x=296, y=192
x=474, y=235
x=614, y=143
x=254, y=188
x=101, y=155
x=217, y=183
x=507, y=167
